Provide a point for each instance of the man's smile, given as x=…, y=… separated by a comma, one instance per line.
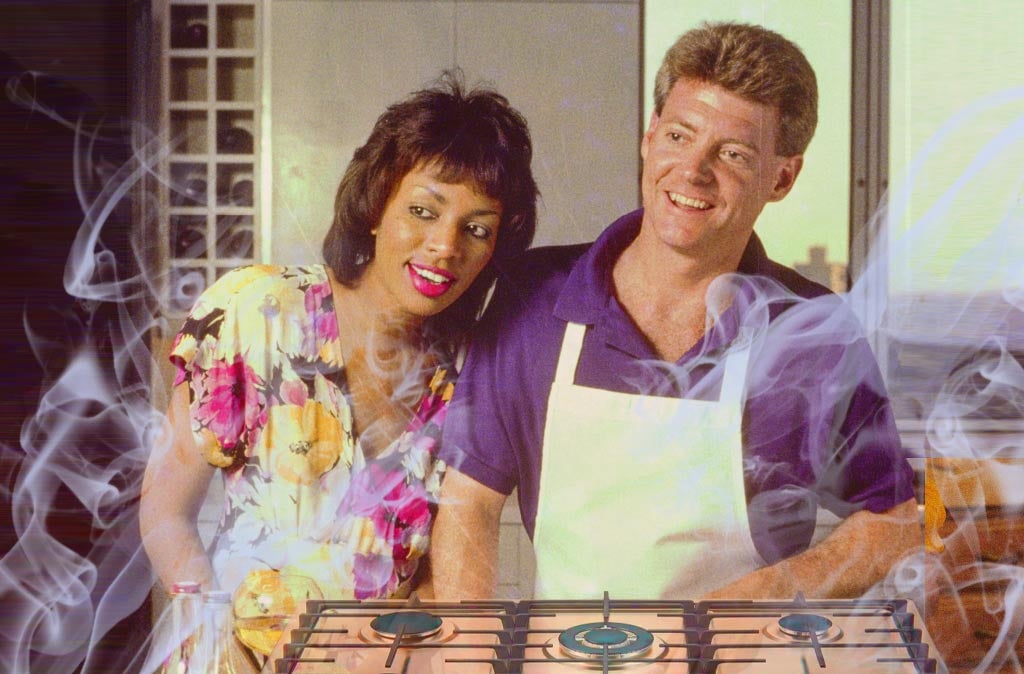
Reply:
x=681, y=200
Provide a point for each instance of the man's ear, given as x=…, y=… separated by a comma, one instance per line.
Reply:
x=645, y=141
x=785, y=176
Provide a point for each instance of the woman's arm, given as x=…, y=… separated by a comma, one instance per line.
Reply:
x=173, y=489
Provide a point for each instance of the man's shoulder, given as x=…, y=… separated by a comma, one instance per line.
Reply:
x=798, y=283
x=755, y=262
x=539, y=274
x=546, y=262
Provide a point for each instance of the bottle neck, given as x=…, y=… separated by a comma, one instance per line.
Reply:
x=214, y=654
x=217, y=617
x=185, y=610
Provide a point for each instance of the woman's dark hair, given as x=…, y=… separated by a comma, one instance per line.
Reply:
x=473, y=136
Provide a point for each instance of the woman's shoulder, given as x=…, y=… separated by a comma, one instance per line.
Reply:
x=253, y=286
x=258, y=280
x=235, y=310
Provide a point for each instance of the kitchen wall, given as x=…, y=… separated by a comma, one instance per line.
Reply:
x=572, y=68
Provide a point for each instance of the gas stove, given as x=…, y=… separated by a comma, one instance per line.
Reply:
x=797, y=636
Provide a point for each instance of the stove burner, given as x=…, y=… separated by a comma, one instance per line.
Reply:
x=803, y=625
x=619, y=640
x=411, y=625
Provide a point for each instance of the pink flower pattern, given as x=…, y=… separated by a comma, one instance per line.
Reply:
x=397, y=504
x=233, y=393
x=320, y=308
x=230, y=402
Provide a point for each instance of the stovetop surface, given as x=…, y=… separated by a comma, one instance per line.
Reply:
x=797, y=636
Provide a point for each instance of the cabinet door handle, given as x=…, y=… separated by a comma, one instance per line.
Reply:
x=986, y=634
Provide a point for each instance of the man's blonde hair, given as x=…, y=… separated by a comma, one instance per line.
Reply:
x=752, y=62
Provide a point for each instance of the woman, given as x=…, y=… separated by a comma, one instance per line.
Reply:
x=319, y=390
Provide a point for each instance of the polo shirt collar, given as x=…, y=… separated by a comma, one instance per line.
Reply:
x=587, y=296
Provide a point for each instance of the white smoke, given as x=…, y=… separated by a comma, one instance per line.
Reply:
x=91, y=434
x=954, y=359
x=95, y=424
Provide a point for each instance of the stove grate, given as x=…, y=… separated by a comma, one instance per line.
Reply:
x=706, y=637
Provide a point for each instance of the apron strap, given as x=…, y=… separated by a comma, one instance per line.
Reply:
x=572, y=344
x=734, y=378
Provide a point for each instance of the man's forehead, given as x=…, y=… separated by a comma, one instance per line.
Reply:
x=694, y=103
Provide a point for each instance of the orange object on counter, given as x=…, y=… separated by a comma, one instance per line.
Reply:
x=934, y=511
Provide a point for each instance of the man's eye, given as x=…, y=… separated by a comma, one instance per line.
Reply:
x=733, y=155
x=674, y=136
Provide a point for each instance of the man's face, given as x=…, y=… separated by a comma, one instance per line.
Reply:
x=709, y=168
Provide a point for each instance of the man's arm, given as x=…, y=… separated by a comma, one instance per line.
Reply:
x=464, y=542
x=855, y=556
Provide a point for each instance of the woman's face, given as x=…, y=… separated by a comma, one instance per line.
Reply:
x=433, y=239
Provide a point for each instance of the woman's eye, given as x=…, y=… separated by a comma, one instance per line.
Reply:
x=479, y=231
x=674, y=136
x=420, y=212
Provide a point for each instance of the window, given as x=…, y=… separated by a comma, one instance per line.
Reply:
x=955, y=239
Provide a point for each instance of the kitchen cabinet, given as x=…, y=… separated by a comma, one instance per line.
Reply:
x=975, y=599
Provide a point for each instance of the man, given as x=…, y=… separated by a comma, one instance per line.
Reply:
x=674, y=407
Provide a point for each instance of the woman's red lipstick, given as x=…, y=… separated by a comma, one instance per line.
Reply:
x=430, y=281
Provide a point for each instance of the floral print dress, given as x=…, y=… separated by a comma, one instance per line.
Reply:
x=262, y=359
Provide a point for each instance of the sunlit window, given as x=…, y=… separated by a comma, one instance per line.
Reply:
x=956, y=212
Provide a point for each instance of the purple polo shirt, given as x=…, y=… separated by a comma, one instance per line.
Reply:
x=817, y=429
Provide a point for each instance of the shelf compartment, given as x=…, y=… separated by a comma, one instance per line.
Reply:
x=236, y=26
x=236, y=79
x=189, y=132
x=186, y=284
x=188, y=81
x=190, y=27
x=235, y=237
x=188, y=237
x=235, y=132
x=235, y=185
x=189, y=185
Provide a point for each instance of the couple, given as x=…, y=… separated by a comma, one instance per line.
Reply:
x=320, y=391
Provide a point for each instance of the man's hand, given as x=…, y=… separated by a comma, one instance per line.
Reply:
x=855, y=556
x=464, y=542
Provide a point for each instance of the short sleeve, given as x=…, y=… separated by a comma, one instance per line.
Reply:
x=868, y=468
x=476, y=441
x=225, y=399
x=819, y=430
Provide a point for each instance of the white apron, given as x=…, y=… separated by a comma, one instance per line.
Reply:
x=640, y=496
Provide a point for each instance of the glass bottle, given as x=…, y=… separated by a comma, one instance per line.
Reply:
x=185, y=605
x=213, y=653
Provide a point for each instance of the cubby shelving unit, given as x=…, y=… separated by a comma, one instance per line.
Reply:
x=209, y=215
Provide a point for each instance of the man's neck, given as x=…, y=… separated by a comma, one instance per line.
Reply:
x=663, y=291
